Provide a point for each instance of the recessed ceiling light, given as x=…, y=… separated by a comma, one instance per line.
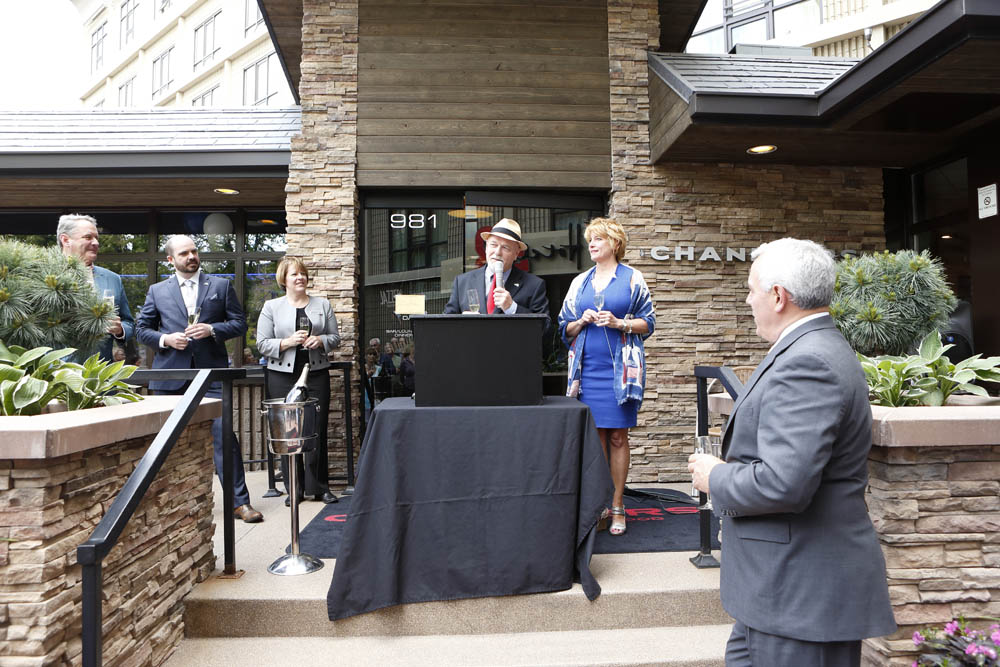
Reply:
x=469, y=214
x=763, y=149
x=267, y=222
x=226, y=191
x=946, y=236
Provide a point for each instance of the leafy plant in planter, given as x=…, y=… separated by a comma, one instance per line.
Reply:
x=30, y=379
x=47, y=299
x=885, y=302
x=926, y=378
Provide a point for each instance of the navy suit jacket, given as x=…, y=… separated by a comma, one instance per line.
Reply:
x=527, y=291
x=164, y=313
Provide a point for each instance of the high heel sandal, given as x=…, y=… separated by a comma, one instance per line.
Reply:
x=602, y=523
x=617, y=528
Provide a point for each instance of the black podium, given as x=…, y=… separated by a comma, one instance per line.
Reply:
x=470, y=360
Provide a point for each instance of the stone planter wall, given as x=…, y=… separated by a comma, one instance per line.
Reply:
x=935, y=501
x=50, y=503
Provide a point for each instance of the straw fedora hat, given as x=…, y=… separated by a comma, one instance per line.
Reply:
x=508, y=229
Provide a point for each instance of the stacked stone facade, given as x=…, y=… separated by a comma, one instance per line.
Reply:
x=48, y=507
x=701, y=315
x=322, y=193
x=937, y=513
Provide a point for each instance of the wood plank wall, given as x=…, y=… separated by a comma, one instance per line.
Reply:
x=499, y=93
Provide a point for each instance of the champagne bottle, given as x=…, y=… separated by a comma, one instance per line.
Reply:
x=299, y=392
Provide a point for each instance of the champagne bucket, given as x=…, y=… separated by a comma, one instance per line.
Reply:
x=291, y=427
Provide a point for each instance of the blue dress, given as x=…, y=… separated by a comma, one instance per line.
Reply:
x=596, y=384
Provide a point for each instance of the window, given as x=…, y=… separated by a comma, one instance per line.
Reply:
x=161, y=73
x=126, y=93
x=713, y=41
x=752, y=32
x=97, y=48
x=725, y=23
x=205, y=47
x=259, y=81
x=206, y=98
x=252, y=15
x=793, y=18
x=126, y=27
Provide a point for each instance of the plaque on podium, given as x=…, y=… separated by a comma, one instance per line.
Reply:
x=469, y=360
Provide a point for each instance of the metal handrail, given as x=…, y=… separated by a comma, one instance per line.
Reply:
x=91, y=553
x=732, y=384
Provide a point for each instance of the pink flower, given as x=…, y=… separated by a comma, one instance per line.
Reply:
x=918, y=639
x=972, y=649
x=991, y=653
x=995, y=636
x=950, y=628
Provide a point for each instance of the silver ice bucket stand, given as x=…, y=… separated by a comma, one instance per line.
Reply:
x=291, y=428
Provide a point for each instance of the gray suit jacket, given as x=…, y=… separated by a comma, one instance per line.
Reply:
x=800, y=556
x=277, y=321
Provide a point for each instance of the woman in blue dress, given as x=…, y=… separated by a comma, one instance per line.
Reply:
x=607, y=314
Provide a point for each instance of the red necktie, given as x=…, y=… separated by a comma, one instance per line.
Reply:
x=490, y=306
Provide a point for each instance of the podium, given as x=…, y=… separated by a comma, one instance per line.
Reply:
x=478, y=360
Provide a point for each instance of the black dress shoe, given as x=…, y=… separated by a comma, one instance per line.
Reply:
x=327, y=498
x=288, y=501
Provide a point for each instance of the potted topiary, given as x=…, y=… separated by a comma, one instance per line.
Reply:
x=47, y=299
x=885, y=303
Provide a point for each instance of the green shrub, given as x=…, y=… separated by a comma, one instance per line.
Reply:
x=30, y=379
x=884, y=303
x=46, y=299
x=926, y=378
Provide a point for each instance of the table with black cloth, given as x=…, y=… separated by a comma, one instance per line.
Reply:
x=460, y=502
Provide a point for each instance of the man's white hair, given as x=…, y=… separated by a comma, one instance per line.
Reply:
x=68, y=224
x=804, y=268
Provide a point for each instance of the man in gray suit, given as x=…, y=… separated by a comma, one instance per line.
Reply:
x=802, y=571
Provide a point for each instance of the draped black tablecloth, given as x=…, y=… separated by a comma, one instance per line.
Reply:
x=459, y=502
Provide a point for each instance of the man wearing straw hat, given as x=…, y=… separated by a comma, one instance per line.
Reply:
x=500, y=287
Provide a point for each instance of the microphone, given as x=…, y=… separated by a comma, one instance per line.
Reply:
x=498, y=272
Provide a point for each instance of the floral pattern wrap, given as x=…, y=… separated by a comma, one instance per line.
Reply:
x=627, y=349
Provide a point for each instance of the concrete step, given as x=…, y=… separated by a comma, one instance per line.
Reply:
x=639, y=590
x=701, y=646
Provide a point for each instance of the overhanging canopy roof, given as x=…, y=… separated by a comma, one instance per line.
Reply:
x=930, y=89
x=145, y=158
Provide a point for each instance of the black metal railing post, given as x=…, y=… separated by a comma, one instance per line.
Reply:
x=228, y=519
x=732, y=384
x=91, y=554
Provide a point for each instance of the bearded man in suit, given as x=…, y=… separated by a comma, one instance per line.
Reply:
x=163, y=325
x=802, y=571
x=502, y=288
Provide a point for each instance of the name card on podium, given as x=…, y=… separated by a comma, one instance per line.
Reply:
x=469, y=360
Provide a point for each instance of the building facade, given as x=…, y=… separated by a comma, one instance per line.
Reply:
x=830, y=28
x=180, y=54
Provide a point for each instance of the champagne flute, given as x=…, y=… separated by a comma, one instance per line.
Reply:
x=193, y=314
x=473, y=297
x=599, y=300
x=109, y=298
x=303, y=323
x=702, y=444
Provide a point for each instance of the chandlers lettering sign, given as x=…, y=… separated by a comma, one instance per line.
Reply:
x=690, y=253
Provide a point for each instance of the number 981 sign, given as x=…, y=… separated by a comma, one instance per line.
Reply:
x=412, y=221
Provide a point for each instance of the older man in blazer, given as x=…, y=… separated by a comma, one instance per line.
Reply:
x=78, y=237
x=163, y=325
x=511, y=292
x=802, y=571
